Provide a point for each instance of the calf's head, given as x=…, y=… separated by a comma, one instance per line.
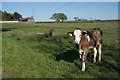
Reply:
x=77, y=35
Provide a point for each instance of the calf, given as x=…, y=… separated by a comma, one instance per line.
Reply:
x=86, y=40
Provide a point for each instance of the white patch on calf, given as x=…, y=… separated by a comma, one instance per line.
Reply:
x=77, y=33
x=88, y=37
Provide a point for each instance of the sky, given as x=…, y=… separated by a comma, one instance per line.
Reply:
x=42, y=11
x=60, y=0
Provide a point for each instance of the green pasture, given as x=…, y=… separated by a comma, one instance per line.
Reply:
x=25, y=54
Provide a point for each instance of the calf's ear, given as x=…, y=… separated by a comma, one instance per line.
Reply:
x=70, y=33
x=86, y=33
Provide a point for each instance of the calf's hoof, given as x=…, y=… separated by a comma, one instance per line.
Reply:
x=83, y=69
x=99, y=60
x=94, y=61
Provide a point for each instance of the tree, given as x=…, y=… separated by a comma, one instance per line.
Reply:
x=58, y=17
x=17, y=16
x=76, y=18
x=5, y=16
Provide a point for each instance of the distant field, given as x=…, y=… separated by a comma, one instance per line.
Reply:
x=25, y=54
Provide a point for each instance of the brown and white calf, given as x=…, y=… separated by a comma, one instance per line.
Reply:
x=86, y=40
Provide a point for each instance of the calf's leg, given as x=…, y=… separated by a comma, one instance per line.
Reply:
x=95, y=54
x=99, y=49
x=84, y=60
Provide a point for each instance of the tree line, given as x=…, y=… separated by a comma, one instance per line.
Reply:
x=5, y=16
x=58, y=17
x=61, y=17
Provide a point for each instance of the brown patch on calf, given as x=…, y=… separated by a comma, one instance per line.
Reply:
x=97, y=34
x=84, y=41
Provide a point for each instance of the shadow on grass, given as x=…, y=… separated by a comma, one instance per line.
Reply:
x=68, y=56
x=7, y=29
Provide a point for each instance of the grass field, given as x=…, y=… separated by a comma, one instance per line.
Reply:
x=26, y=55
